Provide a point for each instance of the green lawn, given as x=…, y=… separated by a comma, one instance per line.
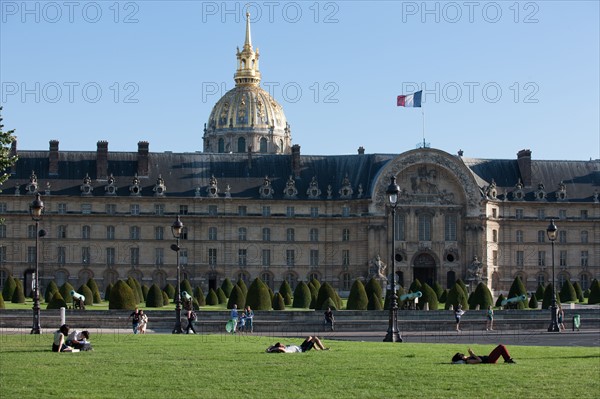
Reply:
x=227, y=366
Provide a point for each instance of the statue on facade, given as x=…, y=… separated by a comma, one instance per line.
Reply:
x=475, y=269
x=377, y=268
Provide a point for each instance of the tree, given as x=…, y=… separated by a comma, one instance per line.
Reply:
x=65, y=292
x=221, y=295
x=567, y=292
x=170, y=290
x=6, y=160
x=258, y=297
x=227, y=286
x=9, y=288
x=437, y=288
x=357, y=299
x=578, y=291
x=302, y=296
x=166, y=299
x=186, y=286
x=286, y=292
x=211, y=298
x=444, y=296
x=533, y=303
x=517, y=289
x=415, y=286
x=2, y=306
x=373, y=287
x=326, y=291
x=594, y=297
x=316, y=283
x=240, y=283
x=462, y=285
x=122, y=296
x=500, y=300
x=18, y=293
x=429, y=297
x=199, y=296
x=539, y=293
x=136, y=288
x=547, y=301
x=95, y=291
x=145, y=290
x=375, y=302
x=87, y=293
x=154, y=299
x=482, y=297
x=278, y=303
x=56, y=302
x=107, y=291
x=456, y=296
x=237, y=297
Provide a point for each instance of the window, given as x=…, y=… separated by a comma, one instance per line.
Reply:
x=519, y=213
x=584, y=237
x=346, y=282
x=111, y=209
x=212, y=256
x=541, y=279
x=290, y=233
x=585, y=281
x=31, y=231
x=562, y=278
x=494, y=235
x=242, y=234
x=242, y=211
x=314, y=257
x=134, y=255
x=242, y=257
x=212, y=234
x=266, y=257
x=110, y=232
x=584, y=258
x=519, y=236
x=541, y=258
x=314, y=235
x=2, y=260
x=86, y=232
x=3, y=207
x=562, y=213
x=400, y=226
x=159, y=209
x=562, y=258
x=62, y=231
x=266, y=211
x=134, y=232
x=494, y=213
x=110, y=256
x=61, y=255
x=562, y=236
x=345, y=211
x=541, y=214
x=290, y=257
x=345, y=257
x=290, y=211
x=291, y=279
x=346, y=235
x=266, y=234
x=541, y=236
x=314, y=211
x=583, y=214
x=450, y=228
x=2, y=231
x=184, y=233
x=183, y=256
x=520, y=260
x=313, y=276
x=159, y=233
x=31, y=255
x=85, y=255
x=183, y=209
x=495, y=258
x=212, y=210
x=134, y=209
x=159, y=256
x=424, y=227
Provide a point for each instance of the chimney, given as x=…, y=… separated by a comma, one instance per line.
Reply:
x=296, y=160
x=361, y=150
x=142, y=159
x=524, y=161
x=102, y=160
x=53, y=158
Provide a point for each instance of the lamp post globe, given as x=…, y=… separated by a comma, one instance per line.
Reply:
x=393, y=334
x=552, y=232
x=35, y=210
x=176, y=230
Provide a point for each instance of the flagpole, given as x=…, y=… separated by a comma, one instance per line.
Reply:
x=423, y=115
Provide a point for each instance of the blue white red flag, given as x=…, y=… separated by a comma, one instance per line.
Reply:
x=410, y=100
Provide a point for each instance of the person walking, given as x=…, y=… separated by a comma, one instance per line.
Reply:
x=489, y=325
x=457, y=315
x=329, y=319
x=135, y=320
x=191, y=317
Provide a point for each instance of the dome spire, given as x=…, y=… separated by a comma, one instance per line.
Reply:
x=247, y=72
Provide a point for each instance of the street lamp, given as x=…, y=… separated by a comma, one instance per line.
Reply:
x=35, y=210
x=176, y=229
x=393, y=334
x=552, y=232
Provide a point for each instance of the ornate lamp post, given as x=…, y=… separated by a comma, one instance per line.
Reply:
x=176, y=229
x=552, y=232
x=393, y=334
x=35, y=210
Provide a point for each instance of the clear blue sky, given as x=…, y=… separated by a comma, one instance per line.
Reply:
x=497, y=76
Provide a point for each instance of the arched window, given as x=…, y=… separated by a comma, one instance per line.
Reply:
x=221, y=146
x=61, y=277
x=313, y=276
x=450, y=279
x=263, y=145
x=84, y=276
x=562, y=278
x=160, y=278
x=241, y=145
x=244, y=277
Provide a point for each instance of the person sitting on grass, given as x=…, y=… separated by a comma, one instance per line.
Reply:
x=309, y=343
x=59, y=340
x=493, y=357
x=79, y=340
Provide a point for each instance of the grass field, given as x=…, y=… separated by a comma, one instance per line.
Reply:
x=228, y=366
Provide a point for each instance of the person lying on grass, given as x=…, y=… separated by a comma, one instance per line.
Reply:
x=493, y=357
x=309, y=343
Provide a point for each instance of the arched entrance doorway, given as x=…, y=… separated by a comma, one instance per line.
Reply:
x=424, y=268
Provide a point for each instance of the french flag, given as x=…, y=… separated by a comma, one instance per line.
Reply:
x=411, y=100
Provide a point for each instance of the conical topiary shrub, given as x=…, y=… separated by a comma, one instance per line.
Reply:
x=586, y=293
x=594, y=297
x=237, y=297
x=211, y=298
x=87, y=293
x=9, y=288
x=388, y=299
x=2, y=306
x=166, y=299
x=107, y=291
x=221, y=295
x=330, y=303
x=286, y=292
x=548, y=297
x=145, y=290
x=444, y=296
x=138, y=296
x=56, y=302
x=278, y=302
x=240, y=283
x=456, y=296
x=51, y=288
x=122, y=296
x=462, y=285
x=258, y=297
x=301, y=296
x=65, y=292
x=170, y=290
x=373, y=287
x=539, y=292
x=199, y=295
x=533, y=303
x=357, y=299
x=186, y=286
x=482, y=297
x=567, y=293
x=499, y=301
x=578, y=291
x=375, y=302
x=91, y=283
x=415, y=286
x=313, y=294
x=429, y=297
x=517, y=289
x=227, y=286
x=154, y=299
x=316, y=283
x=18, y=293
x=437, y=288
x=326, y=291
